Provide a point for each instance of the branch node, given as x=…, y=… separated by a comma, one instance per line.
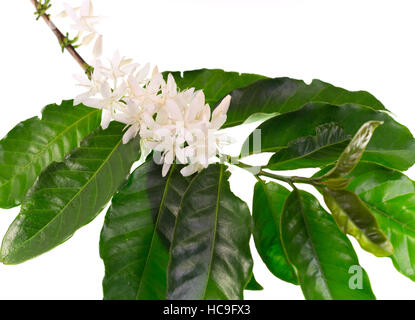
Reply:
x=42, y=8
x=66, y=42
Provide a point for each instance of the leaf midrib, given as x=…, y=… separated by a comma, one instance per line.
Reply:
x=69, y=202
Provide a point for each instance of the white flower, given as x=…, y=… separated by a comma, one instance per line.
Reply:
x=119, y=68
x=109, y=102
x=136, y=118
x=219, y=114
x=93, y=85
x=83, y=20
x=145, y=90
x=97, y=50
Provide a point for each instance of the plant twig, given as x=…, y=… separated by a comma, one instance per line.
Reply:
x=257, y=171
x=63, y=40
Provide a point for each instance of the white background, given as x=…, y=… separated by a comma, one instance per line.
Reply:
x=366, y=45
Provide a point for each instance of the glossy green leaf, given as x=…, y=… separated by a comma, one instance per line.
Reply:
x=257, y=94
x=323, y=256
x=352, y=154
x=312, y=151
x=35, y=143
x=392, y=144
x=354, y=218
x=283, y=95
x=267, y=207
x=253, y=285
x=69, y=194
x=210, y=256
x=215, y=83
x=390, y=196
x=137, y=231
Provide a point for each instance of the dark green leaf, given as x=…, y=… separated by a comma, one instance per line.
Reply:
x=35, y=143
x=215, y=83
x=283, y=95
x=354, y=218
x=351, y=156
x=210, y=256
x=390, y=196
x=267, y=207
x=323, y=256
x=69, y=194
x=312, y=151
x=253, y=93
x=253, y=285
x=392, y=144
x=134, y=253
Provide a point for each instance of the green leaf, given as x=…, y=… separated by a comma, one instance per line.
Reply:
x=35, y=143
x=392, y=144
x=215, y=83
x=312, y=151
x=69, y=194
x=354, y=218
x=283, y=95
x=390, y=196
x=323, y=256
x=253, y=285
x=253, y=93
x=137, y=231
x=267, y=207
x=351, y=156
x=210, y=256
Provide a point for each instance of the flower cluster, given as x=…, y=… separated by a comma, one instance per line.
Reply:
x=178, y=125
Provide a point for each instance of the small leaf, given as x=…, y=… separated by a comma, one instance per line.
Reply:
x=329, y=141
x=69, y=194
x=136, y=236
x=267, y=207
x=392, y=144
x=210, y=256
x=321, y=254
x=351, y=156
x=354, y=218
x=253, y=285
x=35, y=143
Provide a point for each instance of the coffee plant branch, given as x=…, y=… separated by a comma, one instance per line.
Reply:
x=64, y=41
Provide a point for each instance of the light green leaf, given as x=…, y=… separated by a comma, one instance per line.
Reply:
x=70, y=194
x=354, y=218
x=210, y=256
x=323, y=256
x=351, y=156
x=35, y=143
x=390, y=196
